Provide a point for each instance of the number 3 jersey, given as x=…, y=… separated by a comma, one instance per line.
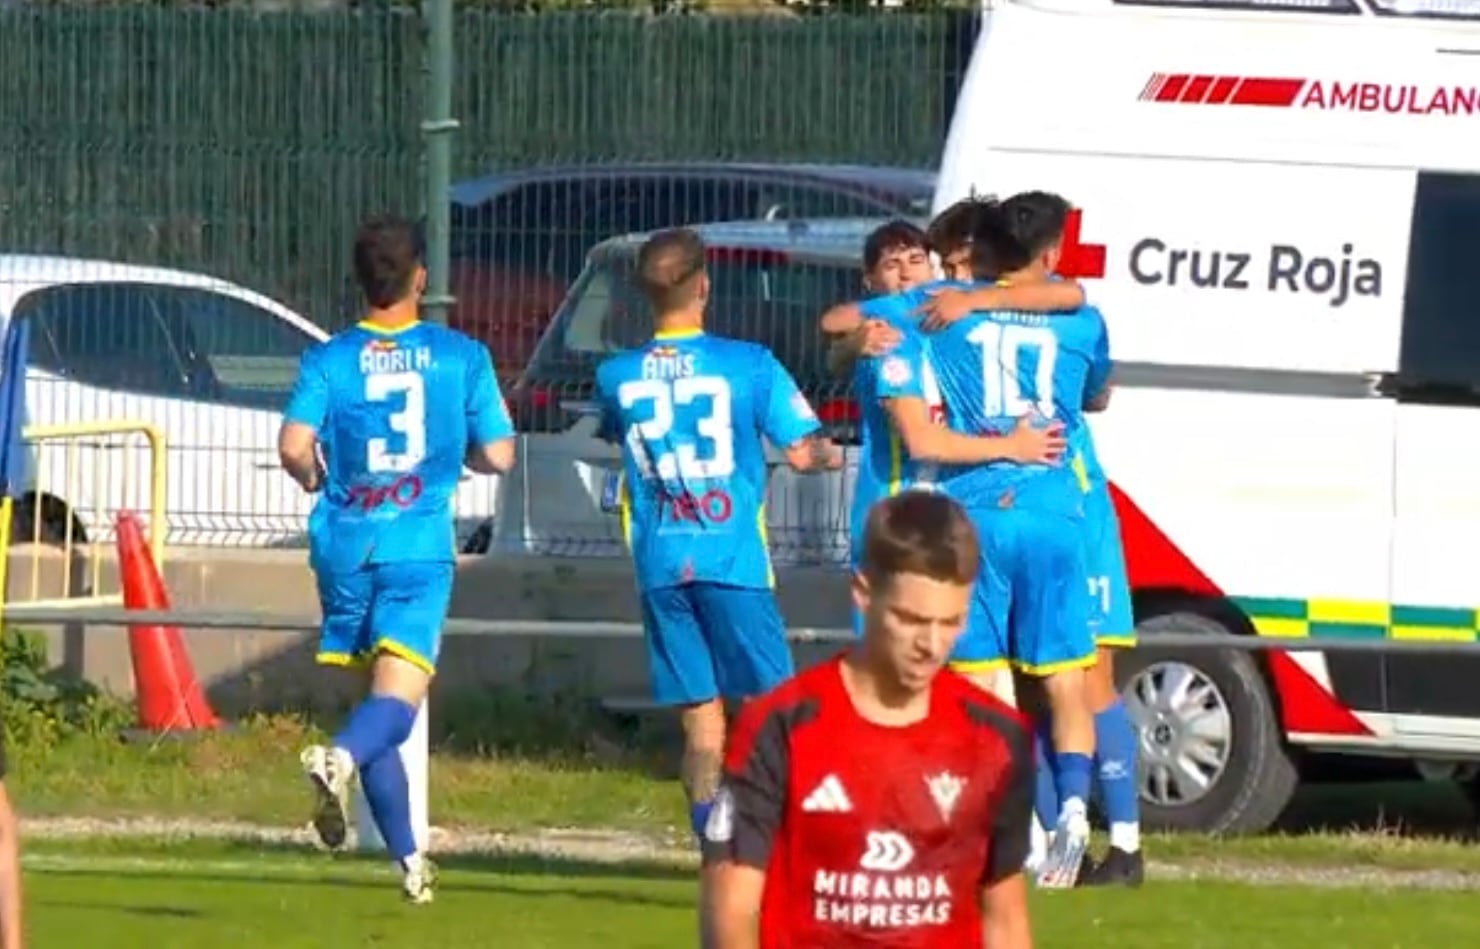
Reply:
x=691, y=412
x=995, y=367
x=395, y=412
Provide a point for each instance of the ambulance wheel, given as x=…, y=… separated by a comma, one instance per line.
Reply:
x=1213, y=757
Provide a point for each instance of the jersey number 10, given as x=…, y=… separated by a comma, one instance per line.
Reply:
x=410, y=422
x=1000, y=345
x=683, y=462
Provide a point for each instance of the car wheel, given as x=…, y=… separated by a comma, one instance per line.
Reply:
x=1213, y=756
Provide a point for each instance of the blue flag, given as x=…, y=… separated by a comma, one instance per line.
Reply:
x=13, y=408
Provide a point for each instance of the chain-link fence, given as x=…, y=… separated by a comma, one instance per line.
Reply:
x=180, y=188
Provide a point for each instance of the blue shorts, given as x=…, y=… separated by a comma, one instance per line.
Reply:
x=708, y=640
x=396, y=608
x=1111, y=620
x=1031, y=589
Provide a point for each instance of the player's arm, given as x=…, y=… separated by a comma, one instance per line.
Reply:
x=842, y=319
x=788, y=422
x=947, y=305
x=490, y=429
x=926, y=441
x=10, y=869
x=869, y=338
x=307, y=410
x=1004, y=892
x=742, y=829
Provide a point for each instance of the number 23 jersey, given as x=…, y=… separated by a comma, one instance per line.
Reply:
x=395, y=412
x=691, y=412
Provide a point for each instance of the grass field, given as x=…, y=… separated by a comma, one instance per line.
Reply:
x=252, y=775
x=185, y=896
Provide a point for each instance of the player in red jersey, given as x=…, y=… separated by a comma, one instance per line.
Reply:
x=879, y=799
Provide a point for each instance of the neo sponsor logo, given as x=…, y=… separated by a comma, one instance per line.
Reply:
x=1280, y=268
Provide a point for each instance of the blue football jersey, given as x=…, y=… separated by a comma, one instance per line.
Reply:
x=996, y=366
x=395, y=412
x=884, y=466
x=1082, y=453
x=692, y=413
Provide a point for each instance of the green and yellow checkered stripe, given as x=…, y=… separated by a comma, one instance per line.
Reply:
x=1354, y=619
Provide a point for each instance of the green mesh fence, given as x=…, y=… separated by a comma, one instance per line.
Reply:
x=241, y=149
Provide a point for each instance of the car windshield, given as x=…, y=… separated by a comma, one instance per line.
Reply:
x=756, y=295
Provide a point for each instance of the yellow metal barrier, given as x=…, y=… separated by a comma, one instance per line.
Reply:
x=93, y=489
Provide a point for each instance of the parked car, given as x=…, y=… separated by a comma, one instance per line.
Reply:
x=520, y=238
x=769, y=283
x=207, y=362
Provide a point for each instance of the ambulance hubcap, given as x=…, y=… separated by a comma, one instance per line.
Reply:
x=1186, y=732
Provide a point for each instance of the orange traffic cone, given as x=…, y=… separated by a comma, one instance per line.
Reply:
x=169, y=697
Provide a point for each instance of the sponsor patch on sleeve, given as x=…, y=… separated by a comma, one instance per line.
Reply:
x=895, y=371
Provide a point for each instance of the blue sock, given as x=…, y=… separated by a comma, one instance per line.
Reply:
x=389, y=796
x=377, y=725
x=1115, y=765
x=1071, y=776
x=699, y=816
x=1045, y=791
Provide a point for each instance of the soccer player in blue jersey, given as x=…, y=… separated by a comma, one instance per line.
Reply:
x=995, y=367
x=692, y=413
x=1111, y=619
x=902, y=420
x=381, y=422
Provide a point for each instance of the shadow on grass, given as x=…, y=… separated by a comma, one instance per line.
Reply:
x=536, y=875
x=1409, y=809
x=153, y=912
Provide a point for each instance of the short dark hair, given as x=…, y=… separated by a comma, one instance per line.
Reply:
x=668, y=267
x=895, y=235
x=954, y=227
x=388, y=252
x=1044, y=218
x=1009, y=235
x=920, y=532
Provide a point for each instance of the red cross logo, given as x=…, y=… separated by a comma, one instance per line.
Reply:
x=1076, y=259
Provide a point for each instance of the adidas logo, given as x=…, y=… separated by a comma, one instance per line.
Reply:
x=828, y=798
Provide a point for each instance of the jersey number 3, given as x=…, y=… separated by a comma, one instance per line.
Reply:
x=409, y=423
x=645, y=439
x=1000, y=345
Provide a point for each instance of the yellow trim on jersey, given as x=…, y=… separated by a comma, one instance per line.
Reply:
x=1053, y=668
x=973, y=666
x=1081, y=473
x=624, y=510
x=370, y=327
x=336, y=659
x=678, y=334
x=1123, y=641
x=896, y=461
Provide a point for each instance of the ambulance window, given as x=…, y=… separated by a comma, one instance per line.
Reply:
x=1441, y=312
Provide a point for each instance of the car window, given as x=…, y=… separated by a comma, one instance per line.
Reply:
x=797, y=202
x=548, y=227
x=1441, y=337
x=251, y=354
x=106, y=335
x=762, y=297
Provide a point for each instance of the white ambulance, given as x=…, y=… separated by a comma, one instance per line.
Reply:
x=1280, y=217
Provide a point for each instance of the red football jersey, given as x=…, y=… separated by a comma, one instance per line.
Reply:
x=873, y=835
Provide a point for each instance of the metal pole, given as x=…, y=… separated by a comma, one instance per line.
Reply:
x=438, y=128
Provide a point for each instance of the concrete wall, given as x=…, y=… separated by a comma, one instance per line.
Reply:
x=255, y=669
